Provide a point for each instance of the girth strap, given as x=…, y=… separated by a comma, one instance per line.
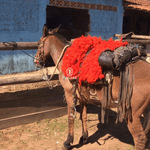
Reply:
x=107, y=87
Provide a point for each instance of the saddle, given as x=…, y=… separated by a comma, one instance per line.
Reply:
x=120, y=57
x=117, y=61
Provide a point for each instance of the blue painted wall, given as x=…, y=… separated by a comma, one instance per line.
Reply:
x=23, y=20
x=20, y=21
x=105, y=23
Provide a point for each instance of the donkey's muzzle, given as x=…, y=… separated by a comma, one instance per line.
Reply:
x=37, y=63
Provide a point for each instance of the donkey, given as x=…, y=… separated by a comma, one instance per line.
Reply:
x=52, y=44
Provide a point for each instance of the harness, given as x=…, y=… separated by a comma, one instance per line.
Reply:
x=117, y=63
x=60, y=57
x=111, y=62
x=120, y=61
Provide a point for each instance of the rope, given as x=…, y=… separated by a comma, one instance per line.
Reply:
x=46, y=78
x=14, y=45
x=28, y=54
x=60, y=57
x=138, y=51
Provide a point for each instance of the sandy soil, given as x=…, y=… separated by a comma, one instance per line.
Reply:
x=50, y=134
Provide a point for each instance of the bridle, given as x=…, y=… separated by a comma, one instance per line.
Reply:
x=41, y=54
x=40, y=59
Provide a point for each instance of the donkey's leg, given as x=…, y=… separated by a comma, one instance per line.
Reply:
x=138, y=134
x=135, y=125
x=83, y=117
x=69, y=99
x=146, y=125
x=71, y=111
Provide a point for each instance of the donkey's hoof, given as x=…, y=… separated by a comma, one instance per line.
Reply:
x=83, y=140
x=66, y=146
x=63, y=148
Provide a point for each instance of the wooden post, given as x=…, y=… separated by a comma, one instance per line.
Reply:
x=142, y=42
x=18, y=45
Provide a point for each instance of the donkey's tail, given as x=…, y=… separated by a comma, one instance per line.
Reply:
x=146, y=127
x=147, y=123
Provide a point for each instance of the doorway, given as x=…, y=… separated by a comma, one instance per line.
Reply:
x=74, y=22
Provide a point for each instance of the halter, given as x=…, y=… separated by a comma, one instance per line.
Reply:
x=41, y=49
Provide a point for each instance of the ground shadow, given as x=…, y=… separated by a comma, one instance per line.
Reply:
x=119, y=130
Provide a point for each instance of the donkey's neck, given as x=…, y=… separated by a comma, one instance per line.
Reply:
x=56, y=48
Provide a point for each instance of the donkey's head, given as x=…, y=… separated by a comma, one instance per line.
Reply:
x=43, y=54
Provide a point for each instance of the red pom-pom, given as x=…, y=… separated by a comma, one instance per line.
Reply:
x=77, y=62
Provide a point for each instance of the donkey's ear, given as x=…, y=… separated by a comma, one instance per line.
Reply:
x=54, y=30
x=45, y=30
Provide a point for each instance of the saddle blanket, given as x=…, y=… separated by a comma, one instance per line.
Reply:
x=81, y=58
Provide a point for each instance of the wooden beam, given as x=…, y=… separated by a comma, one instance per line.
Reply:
x=28, y=77
x=134, y=36
x=142, y=42
x=18, y=45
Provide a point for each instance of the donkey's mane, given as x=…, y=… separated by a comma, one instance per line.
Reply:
x=61, y=37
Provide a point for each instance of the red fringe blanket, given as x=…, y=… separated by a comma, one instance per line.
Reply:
x=78, y=63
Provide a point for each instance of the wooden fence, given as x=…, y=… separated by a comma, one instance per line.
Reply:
x=26, y=97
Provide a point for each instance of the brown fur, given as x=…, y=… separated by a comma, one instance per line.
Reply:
x=140, y=100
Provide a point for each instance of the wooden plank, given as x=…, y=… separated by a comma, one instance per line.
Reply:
x=28, y=77
x=32, y=117
x=28, y=95
x=26, y=106
x=18, y=45
x=32, y=108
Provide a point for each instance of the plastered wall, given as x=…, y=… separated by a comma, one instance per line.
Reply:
x=105, y=23
x=23, y=20
x=20, y=21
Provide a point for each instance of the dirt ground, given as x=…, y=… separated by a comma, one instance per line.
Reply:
x=50, y=134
